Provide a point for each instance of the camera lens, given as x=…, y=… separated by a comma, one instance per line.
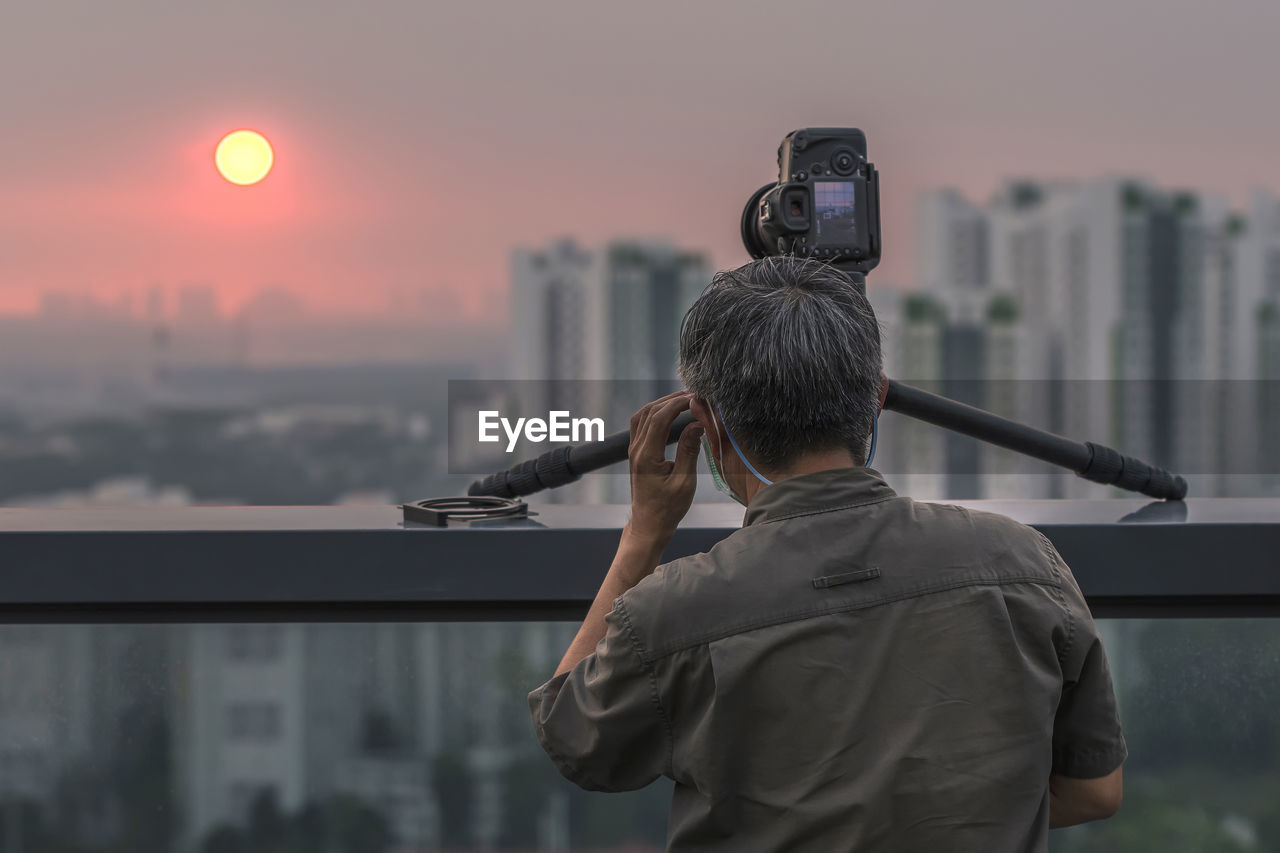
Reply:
x=843, y=162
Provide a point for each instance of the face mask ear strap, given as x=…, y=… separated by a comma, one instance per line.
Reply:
x=717, y=474
x=875, y=430
x=743, y=457
x=871, y=452
x=715, y=427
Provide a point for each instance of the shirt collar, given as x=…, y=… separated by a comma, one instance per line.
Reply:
x=820, y=491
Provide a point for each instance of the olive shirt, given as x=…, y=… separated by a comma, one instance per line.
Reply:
x=852, y=670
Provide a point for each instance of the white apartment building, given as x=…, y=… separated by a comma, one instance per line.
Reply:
x=239, y=721
x=610, y=316
x=309, y=711
x=1242, y=347
x=64, y=692
x=1102, y=286
x=952, y=249
x=33, y=746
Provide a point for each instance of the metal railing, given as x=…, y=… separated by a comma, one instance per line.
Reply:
x=1207, y=557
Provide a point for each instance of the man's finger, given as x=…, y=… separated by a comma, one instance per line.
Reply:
x=640, y=422
x=687, y=450
x=658, y=426
x=636, y=420
x=654, y=405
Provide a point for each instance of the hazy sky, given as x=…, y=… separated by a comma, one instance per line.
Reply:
x=416, y=142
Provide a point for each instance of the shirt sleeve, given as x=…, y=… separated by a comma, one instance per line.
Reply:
x=602, y=722
x=1087, y=740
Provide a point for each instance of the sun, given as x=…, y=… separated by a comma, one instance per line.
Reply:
x=244, y=157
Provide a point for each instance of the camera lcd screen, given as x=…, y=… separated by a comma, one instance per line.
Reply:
x=834, y=213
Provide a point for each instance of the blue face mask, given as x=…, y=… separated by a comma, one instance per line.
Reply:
x=717, y=476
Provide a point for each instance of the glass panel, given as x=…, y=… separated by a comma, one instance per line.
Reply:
x=395, y=737
x=1198, y=700
x=350, y=738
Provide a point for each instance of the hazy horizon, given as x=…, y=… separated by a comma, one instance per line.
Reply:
x=417, y=144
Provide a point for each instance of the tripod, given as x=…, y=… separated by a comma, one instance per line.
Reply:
x=1095, y=462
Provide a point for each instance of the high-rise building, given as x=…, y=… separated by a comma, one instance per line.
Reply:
x=303, y=712
x=240, y=721
x=69, y=707
x=607, y=314
x=951, y=244
x=911, y=453
x=1242, y=347
x=1008, y=392
x=1095, y=309
x=549, y=295
x=198, y=305
x=32, y=746
x=599, y=331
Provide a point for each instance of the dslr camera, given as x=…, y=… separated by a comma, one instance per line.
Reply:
x=825, y=205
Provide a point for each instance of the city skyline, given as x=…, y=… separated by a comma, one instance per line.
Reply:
x=273, y=275
x=387, y=156
x=435, y=304
x=191, y=323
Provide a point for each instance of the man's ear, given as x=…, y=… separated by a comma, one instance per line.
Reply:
x=702, y=412
x=884, y=392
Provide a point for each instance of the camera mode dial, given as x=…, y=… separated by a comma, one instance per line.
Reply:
x=843, y=162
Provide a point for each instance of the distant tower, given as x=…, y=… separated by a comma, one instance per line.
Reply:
x=952, y=246
x=155, y=305
x=611, y=316
x=549, y=294
x=915, y=448
x=197, y=305
x=1254, y=354
x=1107, y=277
x=161, y=366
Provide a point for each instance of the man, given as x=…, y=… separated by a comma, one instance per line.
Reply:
x=852, y=670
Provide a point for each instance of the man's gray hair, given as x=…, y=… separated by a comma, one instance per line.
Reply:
x=788, y=351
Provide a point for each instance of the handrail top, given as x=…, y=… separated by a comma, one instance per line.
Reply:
x=1038, y=513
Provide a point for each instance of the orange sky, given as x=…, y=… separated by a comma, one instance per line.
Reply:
x=417, y=142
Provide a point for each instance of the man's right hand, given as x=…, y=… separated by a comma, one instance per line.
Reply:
x=661, y=489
